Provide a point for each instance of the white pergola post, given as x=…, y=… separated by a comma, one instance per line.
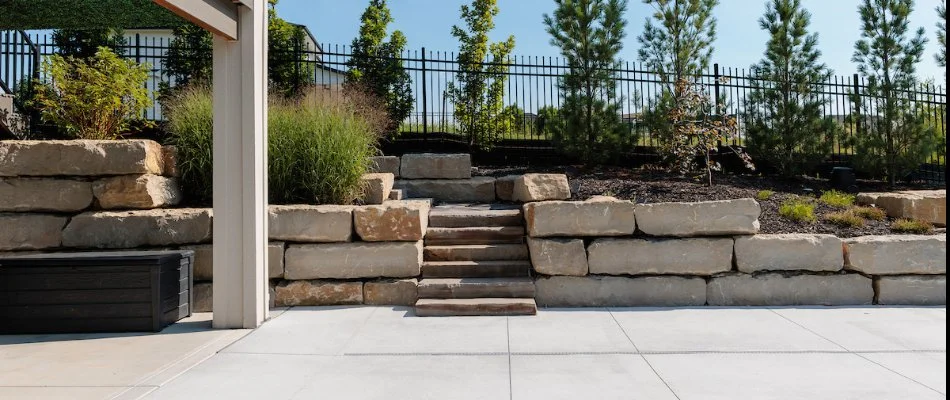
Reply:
x=240, y=155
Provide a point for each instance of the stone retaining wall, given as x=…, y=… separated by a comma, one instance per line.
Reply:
x=607, y=252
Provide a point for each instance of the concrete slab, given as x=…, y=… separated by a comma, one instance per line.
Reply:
x=395, y=330
x=306, y=330
x=600, y=376
x=875, y=328
x=782, y=376
x=567, y=330
x=928, y=369
x=715, y=329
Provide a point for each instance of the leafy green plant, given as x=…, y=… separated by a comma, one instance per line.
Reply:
x=798, y=209
x=479, y=88
x=845, y=219
x=837, y=199
x=84, y=43
x=870, y=213
x=318, y=145
x=764, y=195
x=904, y=225
x=590, y=36
x=93, y=98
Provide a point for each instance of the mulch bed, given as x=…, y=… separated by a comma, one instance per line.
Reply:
x=644, y=186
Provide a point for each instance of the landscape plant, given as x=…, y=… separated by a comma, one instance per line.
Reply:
x=764, y=195
x=85, y=43
x=589, y=34
x=798, y=209
x=375, y=65
x=845, y=219
x=837, y=199
x=893, y=138
x=941, y=55
x=783, y=117
x=93, y=98
x=319, y=144
x=871, y=213
x=697, y=129
x=477, y=94
x=914, y=226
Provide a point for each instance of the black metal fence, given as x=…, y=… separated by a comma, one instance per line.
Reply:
x=531, y=85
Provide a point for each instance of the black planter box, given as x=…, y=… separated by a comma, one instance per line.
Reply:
x=127, y=291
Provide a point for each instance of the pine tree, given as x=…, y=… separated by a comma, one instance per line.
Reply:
x=478, y=91
x=678, y=42
x=590, y=35
x=189, y=55
x=941, y=55
x=892, y=138
x=375, y=65
x=84, y=43
x=783, y=114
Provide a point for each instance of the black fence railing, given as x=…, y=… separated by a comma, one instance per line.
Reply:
x=531, y=85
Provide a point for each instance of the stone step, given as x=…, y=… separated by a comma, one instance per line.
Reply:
x=475, y=269
x=475, y=307
x=473, y=288
x=474, y=235
x=459, y=217
x=480, y=189
x=477, y=252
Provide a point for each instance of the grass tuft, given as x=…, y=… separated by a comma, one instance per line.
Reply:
x=837, y=199
x=764, y=195
x=870, y=213
x=904, y=225
x=798, y=209
x=845, y=219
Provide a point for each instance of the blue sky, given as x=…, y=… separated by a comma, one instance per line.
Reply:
x=740, y=41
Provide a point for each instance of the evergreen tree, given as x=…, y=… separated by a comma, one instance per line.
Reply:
x=892, y=138
x=783, y=114
x=375, y=65
x=189, y=55
x=590, y=35
x=478, y=91
x=678, y=42
x=941, y=55
x=84, y=43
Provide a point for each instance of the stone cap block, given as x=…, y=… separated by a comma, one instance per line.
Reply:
x=376, y=187
x=897, y=254
x=435, y=166
x=541, y=187
x=385, y=164
x=707, y=218
x=136, y=192
x=392, y=221
x=310, y=224
x=130, y=229
x=80, y=157
x=603, y=217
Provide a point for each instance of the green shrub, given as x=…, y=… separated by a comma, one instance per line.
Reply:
x=798, y=209
x=837, y=199
x=318, y=145
x=764, y=195
x=911, y=226
x=871, y=213
x=845, y=219
x=93, y=98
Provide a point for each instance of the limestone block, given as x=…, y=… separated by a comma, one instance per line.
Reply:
x=203, y=297
x=30, y=231
x=396, y=194
x=353, y=260
x=774, y=289
x=385, y=164
x=691, y=256
x=435, y=166
x=558, y=256
x=170, y=161
x=707, y=218
x=28, y=194
x=275, y=260
x=505, y=187
x=203, y=268
x=377, y=187
x=130, y=229
x=314, y=224
x=80, y=157
x=391, y=292
x=392, y=221
x=789, y=252
x=580, y=218
x=615, y=291
x=915, y=290
x=136, y=192
x=897, y=254
x=541, y=187
x=924, y=205
x=318, y=293
x=480, y=189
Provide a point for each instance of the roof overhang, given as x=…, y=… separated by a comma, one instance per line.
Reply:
x=217, y=16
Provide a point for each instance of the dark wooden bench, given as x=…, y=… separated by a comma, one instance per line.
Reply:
x=124, y=291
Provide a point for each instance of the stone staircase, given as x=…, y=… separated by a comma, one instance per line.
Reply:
x=476, y=262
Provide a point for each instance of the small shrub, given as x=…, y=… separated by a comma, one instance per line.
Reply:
x=837, y=199
x=318, y=145
x=764, y=195
x=93, y=98
x=911, y=226
x=871, y=213
x=845, y=219
x=798, y=209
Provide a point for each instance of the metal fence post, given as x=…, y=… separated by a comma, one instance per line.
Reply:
x=857, y=105
x=716, y=85
x=425, y=110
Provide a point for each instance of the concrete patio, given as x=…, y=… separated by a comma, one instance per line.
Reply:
x=387, y=353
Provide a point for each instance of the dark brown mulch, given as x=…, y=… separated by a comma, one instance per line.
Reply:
x=654, y=187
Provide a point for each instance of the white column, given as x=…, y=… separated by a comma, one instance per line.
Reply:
x=240, y=172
